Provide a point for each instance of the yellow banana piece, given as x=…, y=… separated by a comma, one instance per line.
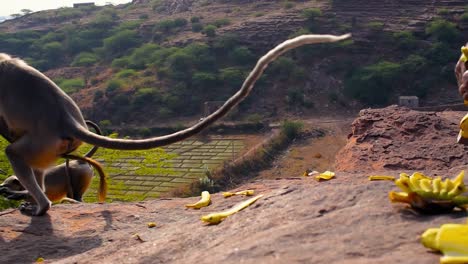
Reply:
x=456, y=190
x=246, y=193
x=327, y=175
x=436, y=185
x=414, y=184
x=464, y=52
x=419, y=175
x=399, y=197
x=403, y=183
x=426, y=185
x=204, y=201
x=451, y=240
x=444, y=189
x=459, y=178
x=216, y=218
x=381, y=178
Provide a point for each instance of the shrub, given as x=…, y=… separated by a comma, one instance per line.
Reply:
x=197, y=27
x=204, y=81
x=141, y=56
x=295, y=97
x=232, y=77
x=195, y=19
x=373, y=84
x=464, y=17
x=71, y=85
x=443, y=30
x=84, y=59
x=222, y=22
x=113, y=85
x=241, y=56
x=209, y=31
x=53, y=51
x=144, y=96
x=311, y=13
x=443, y=11
x=121, y=41
x=440, y=53
x=375, y=26
x=292, y=129
x=405, y=40
x=414, y=63
x=126, y=73
x=122, y=62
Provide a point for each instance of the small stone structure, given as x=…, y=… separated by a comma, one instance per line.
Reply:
x=78, y=5
x=408, y=101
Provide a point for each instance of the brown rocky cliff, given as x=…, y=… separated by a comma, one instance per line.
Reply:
x=403, y=139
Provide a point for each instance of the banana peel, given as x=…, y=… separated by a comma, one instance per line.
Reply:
x=203, y=202
x=451, y=240
x=381, y=178
x=216, y=218
x=246, y=193
x=430, y=195
x=327, y=175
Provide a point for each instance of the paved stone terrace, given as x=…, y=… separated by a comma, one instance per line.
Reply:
x=193, y=158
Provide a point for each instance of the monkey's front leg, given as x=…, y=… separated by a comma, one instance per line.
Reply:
x=16, y=152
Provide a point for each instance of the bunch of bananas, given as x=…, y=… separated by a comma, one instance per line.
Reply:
x=431, y=195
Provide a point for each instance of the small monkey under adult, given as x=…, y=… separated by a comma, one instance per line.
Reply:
x=46, y=123
x=66, y=181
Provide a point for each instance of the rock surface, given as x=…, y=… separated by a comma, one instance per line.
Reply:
x=346, y=220
x=403, y=139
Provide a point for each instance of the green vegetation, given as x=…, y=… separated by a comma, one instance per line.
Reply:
x=71, y=85
x=209, y=31
x=85, y=59
x=311, y=13
x=443, y=30
x=373, y=84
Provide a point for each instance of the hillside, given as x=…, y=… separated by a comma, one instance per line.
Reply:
x=122, y=62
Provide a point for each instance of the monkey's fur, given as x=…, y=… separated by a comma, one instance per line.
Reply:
x=66, y=181
x=46, y=123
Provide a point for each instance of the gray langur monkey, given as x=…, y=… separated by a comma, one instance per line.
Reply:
x=46, y=123
x=67, y=181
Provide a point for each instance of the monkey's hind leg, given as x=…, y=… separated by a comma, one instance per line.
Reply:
x=21, y=154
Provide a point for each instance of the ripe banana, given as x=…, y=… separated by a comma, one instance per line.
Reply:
x=204, y=201
x=216, y=218
x=246, y=193
x=327, y=175
x=451, y=240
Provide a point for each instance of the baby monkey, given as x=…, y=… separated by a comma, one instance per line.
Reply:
x=67, y=181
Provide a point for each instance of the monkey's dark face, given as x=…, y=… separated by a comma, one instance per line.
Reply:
x=12, y=183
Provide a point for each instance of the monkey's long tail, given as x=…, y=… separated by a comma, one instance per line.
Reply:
x=96, y=128
x=83, y=134
x=102, y=191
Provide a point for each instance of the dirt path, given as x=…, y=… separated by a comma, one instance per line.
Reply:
x=311, y=153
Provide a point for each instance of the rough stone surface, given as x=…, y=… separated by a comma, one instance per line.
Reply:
x=403, y=139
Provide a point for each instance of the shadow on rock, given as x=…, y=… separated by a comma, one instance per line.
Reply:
x=38, y=240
